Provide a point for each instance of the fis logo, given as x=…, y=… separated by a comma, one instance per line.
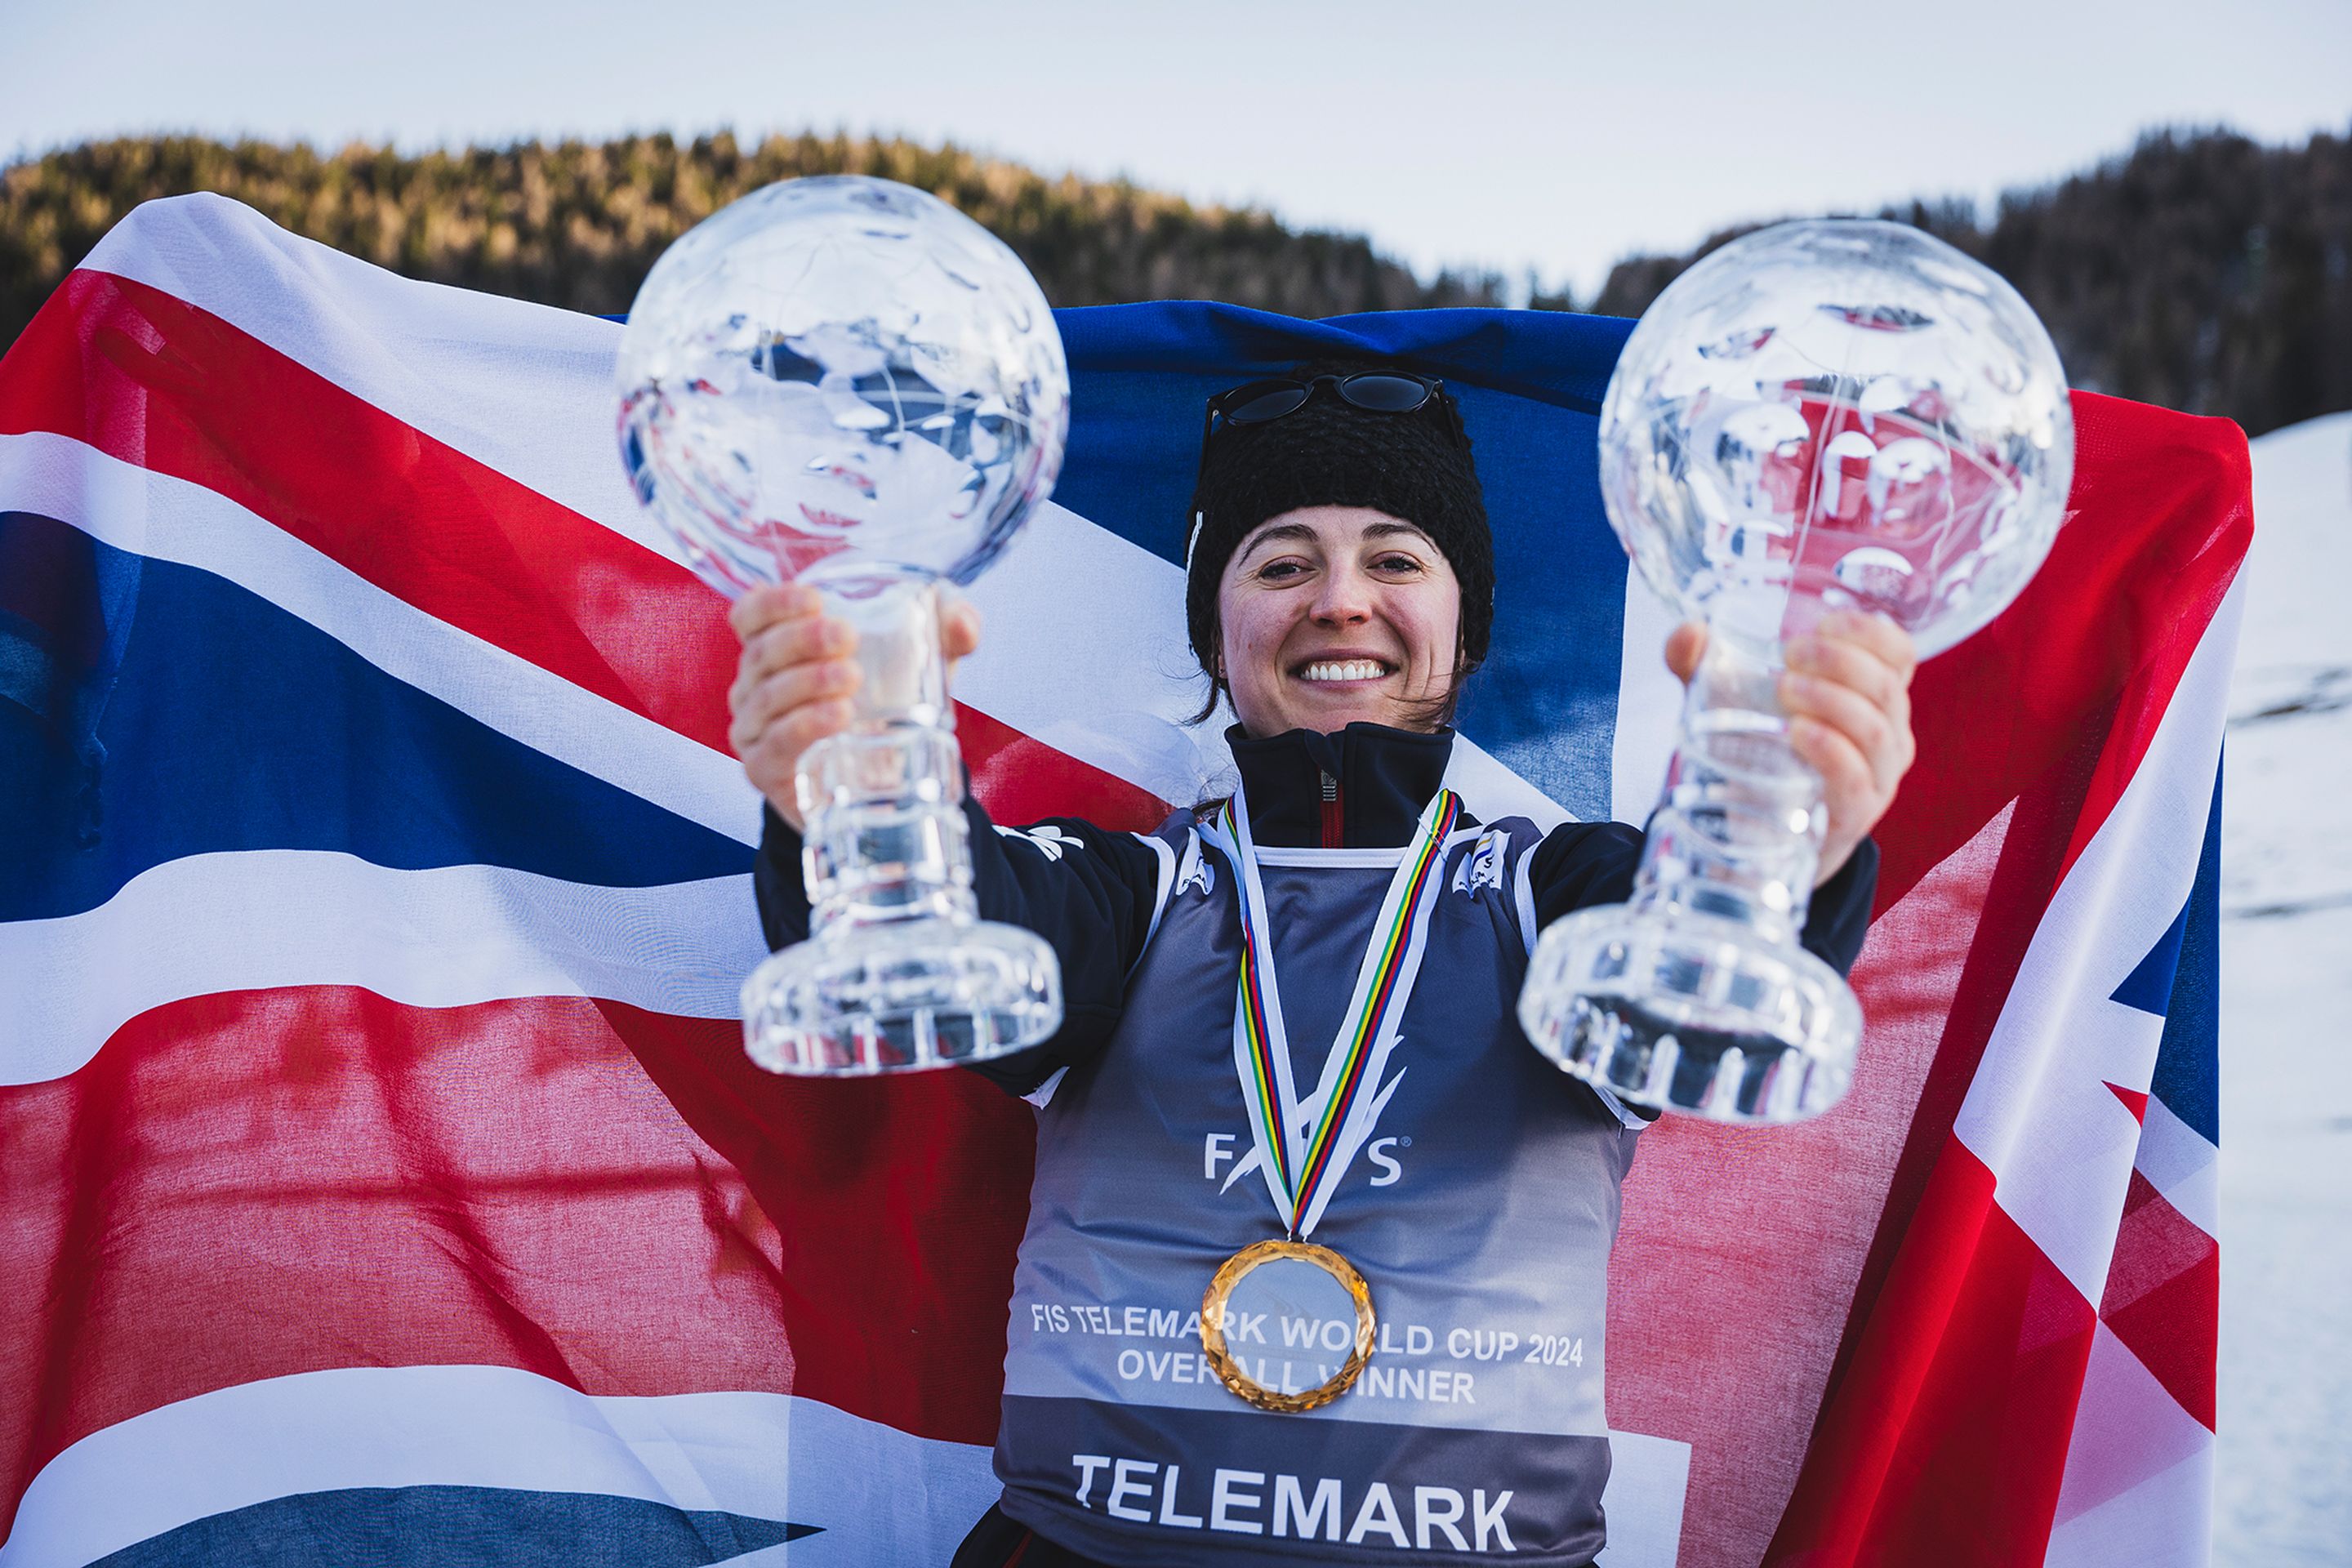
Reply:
x=1217, y=1154
x=1198, y=871
x=1483, y=867
x=1233, y=1157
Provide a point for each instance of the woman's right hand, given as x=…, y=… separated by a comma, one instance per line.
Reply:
x=797, y=679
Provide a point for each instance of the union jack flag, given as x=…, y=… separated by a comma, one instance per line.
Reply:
x=378, y=1161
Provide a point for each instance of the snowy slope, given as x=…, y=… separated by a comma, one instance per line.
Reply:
x=2286, y=1448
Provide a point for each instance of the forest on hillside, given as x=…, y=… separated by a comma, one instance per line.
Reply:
x=578, y=224
x=2199, y=270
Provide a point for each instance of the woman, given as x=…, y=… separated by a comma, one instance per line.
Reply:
x=1339, y=591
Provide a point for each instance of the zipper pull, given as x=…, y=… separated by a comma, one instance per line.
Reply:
x=1334, y=829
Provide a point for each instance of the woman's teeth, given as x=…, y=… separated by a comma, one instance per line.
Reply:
x=1346, y=669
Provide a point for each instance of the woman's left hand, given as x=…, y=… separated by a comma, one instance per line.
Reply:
x=1847, y=691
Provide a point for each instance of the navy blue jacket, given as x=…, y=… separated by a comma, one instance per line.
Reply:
x=1092, y=898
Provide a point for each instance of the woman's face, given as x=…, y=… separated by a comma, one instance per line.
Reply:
x=1331, y=615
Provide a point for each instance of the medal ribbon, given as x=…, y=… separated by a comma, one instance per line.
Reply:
x=1301, y=1162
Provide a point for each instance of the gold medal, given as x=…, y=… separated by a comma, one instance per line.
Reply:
x=1301, y=1155
x=1230, y=1368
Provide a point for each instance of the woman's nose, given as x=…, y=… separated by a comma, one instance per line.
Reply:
x=1345, y=597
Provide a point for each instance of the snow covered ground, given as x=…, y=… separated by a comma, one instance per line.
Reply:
x=2285, y=1444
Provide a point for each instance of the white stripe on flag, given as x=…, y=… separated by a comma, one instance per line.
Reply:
x=1649, y=704
x=1492, y=791
x=2039, y=1112
x=2179, y=1163
x=1085, y=648
x=168, y=519
x=882, y=1497
x=522, y=388
x=1648, y=1486
x=2139, y=1487
x=258, y=919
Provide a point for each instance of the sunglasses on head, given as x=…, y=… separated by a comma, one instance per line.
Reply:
x=1374, y=391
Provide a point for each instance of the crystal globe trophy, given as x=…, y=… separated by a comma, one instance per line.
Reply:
x=845, y=382
x=1818, y=416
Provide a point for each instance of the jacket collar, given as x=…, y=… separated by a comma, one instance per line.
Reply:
x=1380, y=777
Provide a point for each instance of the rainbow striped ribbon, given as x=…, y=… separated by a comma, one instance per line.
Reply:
x=1302, y=1164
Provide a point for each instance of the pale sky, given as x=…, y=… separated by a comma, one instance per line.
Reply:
x=1512, y=135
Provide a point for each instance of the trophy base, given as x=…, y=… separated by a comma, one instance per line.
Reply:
x=905, y=996
x=1692, y=1012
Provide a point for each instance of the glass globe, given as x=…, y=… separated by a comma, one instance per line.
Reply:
x=846, y=381
x=1818, y=416
x=839, y=374
x=1837, y=414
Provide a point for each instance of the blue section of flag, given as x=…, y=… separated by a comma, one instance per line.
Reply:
x=2187, y=1060
x=456, y=1527
x=2148, y=986
x=1529, y=384
x=231, y=725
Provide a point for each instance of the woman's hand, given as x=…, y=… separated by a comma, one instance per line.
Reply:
x=1847, y=691
x=797, y=678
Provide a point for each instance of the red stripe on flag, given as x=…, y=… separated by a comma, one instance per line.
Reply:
x=1021, y=779
x=255, y=1184
x=2160, y=517
x=1888, y=1309
x=2054, y=706
x=1974, y=1363
x=2007, y=912
x=2163, y=1297
x=151, y=380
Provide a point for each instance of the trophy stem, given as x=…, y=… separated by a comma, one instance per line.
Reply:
x=1695, y=995
x=899, y=973
x=885, y=838
x=1738, y=831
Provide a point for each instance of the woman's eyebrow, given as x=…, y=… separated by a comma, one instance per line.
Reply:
x=1266, y=535
x=1381, y=530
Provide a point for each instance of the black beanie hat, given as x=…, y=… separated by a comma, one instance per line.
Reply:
x=1415, y=466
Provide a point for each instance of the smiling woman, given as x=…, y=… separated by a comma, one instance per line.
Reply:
x=1272, y=1168
x=1332, y=616
x=1338, y=521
